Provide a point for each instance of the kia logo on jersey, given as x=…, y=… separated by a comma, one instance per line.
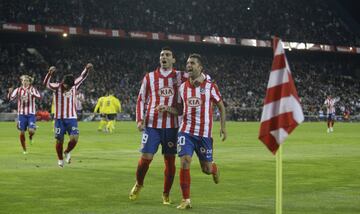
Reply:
x=194, y=101
x=166, y=92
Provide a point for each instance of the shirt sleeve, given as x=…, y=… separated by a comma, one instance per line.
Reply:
x=215, y=93
x=142, y=97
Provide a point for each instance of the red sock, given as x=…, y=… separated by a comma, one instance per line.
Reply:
x=142, y=168
x=31, y=134
x=22, y=141
x=71, y=146
x=59, y=150
x=185, y=183
x=214, y=169
x=169, y=172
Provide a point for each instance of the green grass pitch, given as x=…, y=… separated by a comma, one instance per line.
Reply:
x=321, y=173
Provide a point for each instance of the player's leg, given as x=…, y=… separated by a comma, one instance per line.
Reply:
x=22, y=126
x=328, y=123
x=102, y=122
x=59, y=129
x=149, y=145
x=32, y=128
x=73, y=130
x=204, y=150
x=185, y=149
x=332, y=122
x=110, y=126
x=169, y=151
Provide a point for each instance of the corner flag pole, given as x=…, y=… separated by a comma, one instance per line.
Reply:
x=279, y=181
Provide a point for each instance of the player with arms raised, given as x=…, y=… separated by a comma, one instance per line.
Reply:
x=26, y=96
x=65, y=110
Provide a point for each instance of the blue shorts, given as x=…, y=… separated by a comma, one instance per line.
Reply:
x=187, y=144
x=152, y=138
x=26, y=121
x=331, y=116
x=65, y=125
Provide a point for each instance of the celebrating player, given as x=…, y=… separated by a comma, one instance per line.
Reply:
x=330, y=111
x=65, y=110
x=157, y=97
x=26, y=95
x=196, y=125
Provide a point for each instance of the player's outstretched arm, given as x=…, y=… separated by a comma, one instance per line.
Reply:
x=88, y=68
x=12, y=94
x=223, y=133
x=165, y=108
x=48, y=76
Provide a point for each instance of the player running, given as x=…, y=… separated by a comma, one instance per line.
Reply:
x=195, y=132
x=26, y=108
x=330, y=111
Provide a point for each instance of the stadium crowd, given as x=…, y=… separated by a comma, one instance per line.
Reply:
x=242, y=79
x=316, y=21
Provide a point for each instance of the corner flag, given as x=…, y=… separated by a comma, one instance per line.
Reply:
x=282, y=111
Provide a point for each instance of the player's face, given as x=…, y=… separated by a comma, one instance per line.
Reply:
x=25, y=82
x=167, y=59
x=193, y=67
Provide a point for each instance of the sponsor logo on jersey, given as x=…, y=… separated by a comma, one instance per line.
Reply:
x=166, y=92
x=68, y=94
x=194, y=101
x=24, y=98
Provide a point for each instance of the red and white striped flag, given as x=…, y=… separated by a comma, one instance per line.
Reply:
x=282, y=111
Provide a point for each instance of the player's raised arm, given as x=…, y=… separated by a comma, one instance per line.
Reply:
x=12, y=93
x=88, y=68
x=51, y=86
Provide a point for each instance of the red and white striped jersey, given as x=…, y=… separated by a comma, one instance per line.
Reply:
x=198, y=107
x=330, y=105
x=155, y=90
x=26, y=99
x=65, y=101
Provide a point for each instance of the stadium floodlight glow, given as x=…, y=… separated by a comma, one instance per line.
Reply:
x=64, y=34
x=248, y=8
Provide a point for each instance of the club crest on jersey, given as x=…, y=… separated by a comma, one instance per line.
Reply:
x=166, y=92
x=202, y=90
x=194, y=101
x=170, y=144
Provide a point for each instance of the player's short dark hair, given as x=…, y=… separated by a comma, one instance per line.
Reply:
x=198, y=57
x=69, y=80
x=166, y=48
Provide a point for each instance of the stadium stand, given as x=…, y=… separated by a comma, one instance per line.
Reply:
x=240, y=72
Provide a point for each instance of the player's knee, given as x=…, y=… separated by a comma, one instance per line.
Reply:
x=206, y=170
x=185, y=162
